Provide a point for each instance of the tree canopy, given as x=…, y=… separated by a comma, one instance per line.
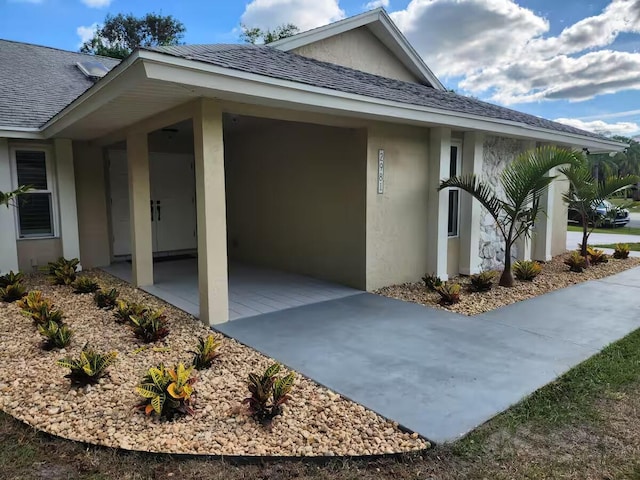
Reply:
x=121, y=34
x=257, y=35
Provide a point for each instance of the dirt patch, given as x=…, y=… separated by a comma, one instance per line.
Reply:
x=555, y=275
x=33, y=389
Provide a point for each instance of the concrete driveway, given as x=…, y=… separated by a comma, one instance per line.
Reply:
x=438, y=373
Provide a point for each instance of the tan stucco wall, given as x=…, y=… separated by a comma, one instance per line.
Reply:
x=397, y=224
x=453, y=256
x=296, y=199
x=33, y=254
x=93, y=227
x=361, y=50
x=560, y=211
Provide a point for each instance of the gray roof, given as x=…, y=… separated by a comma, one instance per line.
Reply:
x=37, y=82
x=263, y=60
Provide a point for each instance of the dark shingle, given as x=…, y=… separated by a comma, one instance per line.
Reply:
x=37, y=82
x=274, y=63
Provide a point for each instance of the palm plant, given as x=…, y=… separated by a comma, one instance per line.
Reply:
x=7, y=198
x=586, y=193
x=524, y=181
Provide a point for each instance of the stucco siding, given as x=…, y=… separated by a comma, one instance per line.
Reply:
x=296, y=199
x=397, y=224
x=93, y=226
x=453, y=256
x=560, y=212
x=361, y=50
x=34, y=254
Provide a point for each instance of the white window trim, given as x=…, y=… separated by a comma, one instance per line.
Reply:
x=51, y=184
x=456, y=143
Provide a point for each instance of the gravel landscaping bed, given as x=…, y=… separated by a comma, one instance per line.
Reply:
x=555, y=275
x=33, y=389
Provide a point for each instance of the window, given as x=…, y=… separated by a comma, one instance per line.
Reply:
x=35, y=209
x=454, y=193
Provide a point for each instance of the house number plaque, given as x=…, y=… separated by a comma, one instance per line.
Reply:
x=380, y=171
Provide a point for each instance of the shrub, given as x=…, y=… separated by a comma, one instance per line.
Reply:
x=576, y=262
x=431, y=281
x=206, y=351
x=89, y=367
x=125, y=309
x=12, y=292
x=166, y=391
x=268, y=393
x=10, y=278
x=483, y=281
x=596, y=256
x=85, y=285
x=34, y=301
x=63, y=271
x=149, y=327
x=106, y=300
x=449, y=293
x=622, y=251
x=527, y=270
x=56, y=335
x=45, y=315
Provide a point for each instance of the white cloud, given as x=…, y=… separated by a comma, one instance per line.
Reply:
x=376, y=4
x=86, y=33
x=602, y=127
x=500, y=49
x=97, y=3
x=305, y=14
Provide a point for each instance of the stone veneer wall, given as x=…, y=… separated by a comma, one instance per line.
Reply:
x=497, y=153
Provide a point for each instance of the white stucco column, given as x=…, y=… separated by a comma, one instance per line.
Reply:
x=211, y=213
x=8, y=246
x=438, y=206
x=470, y=209
x=140, y=209
x=543, y=231
x=65, y=177
x=524, y=247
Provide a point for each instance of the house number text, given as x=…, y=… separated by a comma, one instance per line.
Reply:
x=380, y=171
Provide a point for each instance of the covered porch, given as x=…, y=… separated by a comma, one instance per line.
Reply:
x=252, y=290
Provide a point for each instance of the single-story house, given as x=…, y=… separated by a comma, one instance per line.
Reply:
x=320, y=154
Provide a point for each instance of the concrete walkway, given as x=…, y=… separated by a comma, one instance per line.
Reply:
x=575, y=238
x=438, y=373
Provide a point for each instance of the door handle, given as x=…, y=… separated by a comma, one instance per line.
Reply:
x=158, y=208
x=151, y=201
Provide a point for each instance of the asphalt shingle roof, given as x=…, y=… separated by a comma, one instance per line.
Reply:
x=275, y=63
x=37, y=82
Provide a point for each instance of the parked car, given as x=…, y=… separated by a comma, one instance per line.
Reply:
x=605, y=215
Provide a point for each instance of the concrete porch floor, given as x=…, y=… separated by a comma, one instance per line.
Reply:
x=252, y=290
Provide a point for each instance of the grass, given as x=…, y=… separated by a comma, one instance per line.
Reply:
x=583, y=425
x=634, y=247
x=618, y=231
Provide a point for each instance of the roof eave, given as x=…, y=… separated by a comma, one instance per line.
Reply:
x=7, y=131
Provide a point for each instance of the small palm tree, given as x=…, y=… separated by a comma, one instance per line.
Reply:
x=6, y=198
x=586, y=193
x=524, y=181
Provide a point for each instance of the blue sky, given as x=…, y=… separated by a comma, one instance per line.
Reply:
x=574, y=60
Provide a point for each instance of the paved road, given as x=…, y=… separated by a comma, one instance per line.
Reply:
x=438, y=373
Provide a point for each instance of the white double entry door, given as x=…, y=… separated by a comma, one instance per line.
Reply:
x=172, y=209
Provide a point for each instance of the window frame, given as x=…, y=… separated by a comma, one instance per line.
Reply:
x=458, y=144
x=51, y=188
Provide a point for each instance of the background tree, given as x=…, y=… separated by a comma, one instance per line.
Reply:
x=586, y=193
x=257, y=35
x=524, y=181
x=121, y=34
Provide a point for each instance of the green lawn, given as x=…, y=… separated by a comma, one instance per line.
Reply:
x=634, y=247
x=618, y=231
x=585, y=425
